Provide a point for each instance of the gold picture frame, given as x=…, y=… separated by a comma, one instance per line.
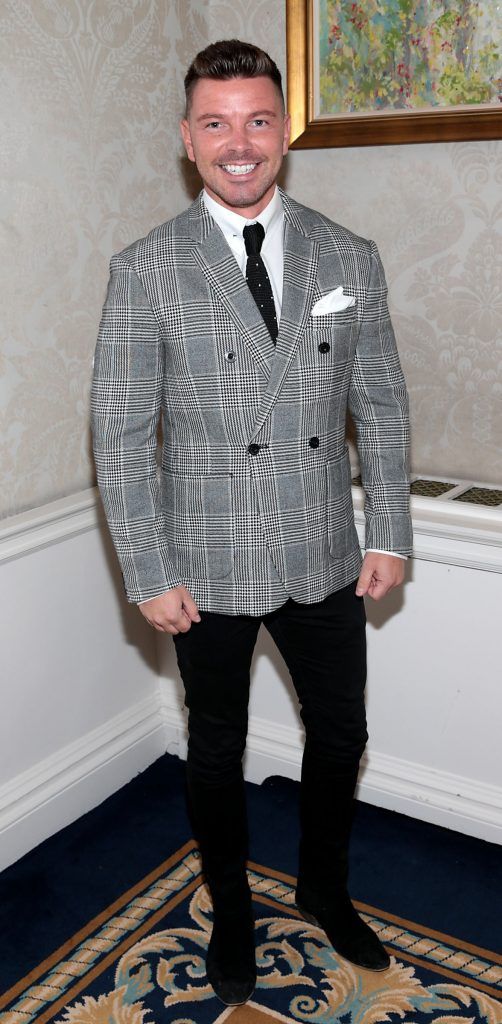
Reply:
x=447, y=124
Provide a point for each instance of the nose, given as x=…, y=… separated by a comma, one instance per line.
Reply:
x=240, y=140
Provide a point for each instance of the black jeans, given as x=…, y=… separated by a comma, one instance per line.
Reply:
x=324, y=647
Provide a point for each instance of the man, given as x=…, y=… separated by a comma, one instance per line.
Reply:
x=251, y=342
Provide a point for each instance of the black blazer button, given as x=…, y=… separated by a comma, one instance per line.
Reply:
x=314, y=442
x=253, y=449
x=324, y=346
x=230, y=356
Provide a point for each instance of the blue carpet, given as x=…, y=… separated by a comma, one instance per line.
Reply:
x=426, y=874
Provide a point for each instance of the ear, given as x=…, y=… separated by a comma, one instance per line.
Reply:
x=187, y=139
x=287, y=134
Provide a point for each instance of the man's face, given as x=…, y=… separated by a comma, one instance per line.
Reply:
x=237, y=134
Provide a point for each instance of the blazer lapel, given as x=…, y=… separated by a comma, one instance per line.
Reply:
x=301, y=259
x=229, y=287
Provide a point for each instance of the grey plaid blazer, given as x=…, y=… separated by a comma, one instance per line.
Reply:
x=252, y=501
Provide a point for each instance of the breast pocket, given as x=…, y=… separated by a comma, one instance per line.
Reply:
x=332, y=335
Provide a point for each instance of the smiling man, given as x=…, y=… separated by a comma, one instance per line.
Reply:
x=237, y=137
x=250, y=324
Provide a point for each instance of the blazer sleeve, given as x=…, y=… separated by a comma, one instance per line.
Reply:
x=125, y=408
x=378, y=403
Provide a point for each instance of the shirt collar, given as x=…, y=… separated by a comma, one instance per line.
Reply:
x=232, y=224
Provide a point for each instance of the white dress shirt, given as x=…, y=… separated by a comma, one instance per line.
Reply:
x=272, y=251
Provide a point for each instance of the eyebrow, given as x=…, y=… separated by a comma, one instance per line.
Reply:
x=221, y=117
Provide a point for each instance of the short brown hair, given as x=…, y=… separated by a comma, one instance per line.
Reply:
x=230, y=58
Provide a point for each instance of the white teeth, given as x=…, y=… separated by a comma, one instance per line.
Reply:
x=239, y=168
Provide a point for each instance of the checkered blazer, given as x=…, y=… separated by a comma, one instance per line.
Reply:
x=252, y=500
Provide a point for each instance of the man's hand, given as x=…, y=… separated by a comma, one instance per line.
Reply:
x=379, y=574
x=172, y=612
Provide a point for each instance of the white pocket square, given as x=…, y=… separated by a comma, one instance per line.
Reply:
x=333, y=302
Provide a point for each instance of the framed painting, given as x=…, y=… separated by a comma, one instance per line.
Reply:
x=374, y=72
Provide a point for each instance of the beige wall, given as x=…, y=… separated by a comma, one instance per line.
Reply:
x=92, y=94
x=90, y=103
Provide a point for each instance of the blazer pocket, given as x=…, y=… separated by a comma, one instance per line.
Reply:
x=198, y=516
x=342, y=534
x=337, y=329
x=337, y=319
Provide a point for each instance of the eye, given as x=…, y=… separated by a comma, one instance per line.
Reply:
x=259, y=122
x=213, y=124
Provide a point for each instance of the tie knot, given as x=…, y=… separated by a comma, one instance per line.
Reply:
x=253, y=238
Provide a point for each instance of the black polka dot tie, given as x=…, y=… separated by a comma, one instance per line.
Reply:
x=257, y=277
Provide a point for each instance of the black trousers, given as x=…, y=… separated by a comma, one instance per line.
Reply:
x=324, y=647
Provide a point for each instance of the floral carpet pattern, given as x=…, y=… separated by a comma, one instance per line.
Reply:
x=142, y=962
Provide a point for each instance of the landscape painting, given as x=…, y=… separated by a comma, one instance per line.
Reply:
x=391, y=55
x=374, y=72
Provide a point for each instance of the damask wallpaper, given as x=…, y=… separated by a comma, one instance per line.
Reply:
x=91, y=97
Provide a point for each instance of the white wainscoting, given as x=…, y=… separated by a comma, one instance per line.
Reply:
x=440, y=797
x=78, y=667
x=91, y=696
x=434, y=694
x=38, y=802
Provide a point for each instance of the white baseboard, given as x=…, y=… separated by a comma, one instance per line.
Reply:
x=57, y=791
x=442, y=798
x=452, y=801
x=175, y=728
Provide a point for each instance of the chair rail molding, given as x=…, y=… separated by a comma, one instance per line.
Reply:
x=39, y=527
x=448, y=532
x=456, y=533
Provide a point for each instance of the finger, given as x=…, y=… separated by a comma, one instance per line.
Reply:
x=163, y=626
x=182, y=623
x=364, y=582
x=190, y=608
x=379, y=589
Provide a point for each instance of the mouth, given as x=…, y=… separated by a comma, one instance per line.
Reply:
x=238, y=170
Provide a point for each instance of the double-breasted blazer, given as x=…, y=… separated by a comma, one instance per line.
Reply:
x=251, y=502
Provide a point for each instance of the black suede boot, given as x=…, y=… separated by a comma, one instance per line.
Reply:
x=220, y=826
x=326, y=812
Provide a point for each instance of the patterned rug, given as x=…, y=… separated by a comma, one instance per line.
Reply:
x=141, y=961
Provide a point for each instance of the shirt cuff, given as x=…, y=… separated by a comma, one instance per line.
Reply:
x=139, y=603
x=395, y=554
